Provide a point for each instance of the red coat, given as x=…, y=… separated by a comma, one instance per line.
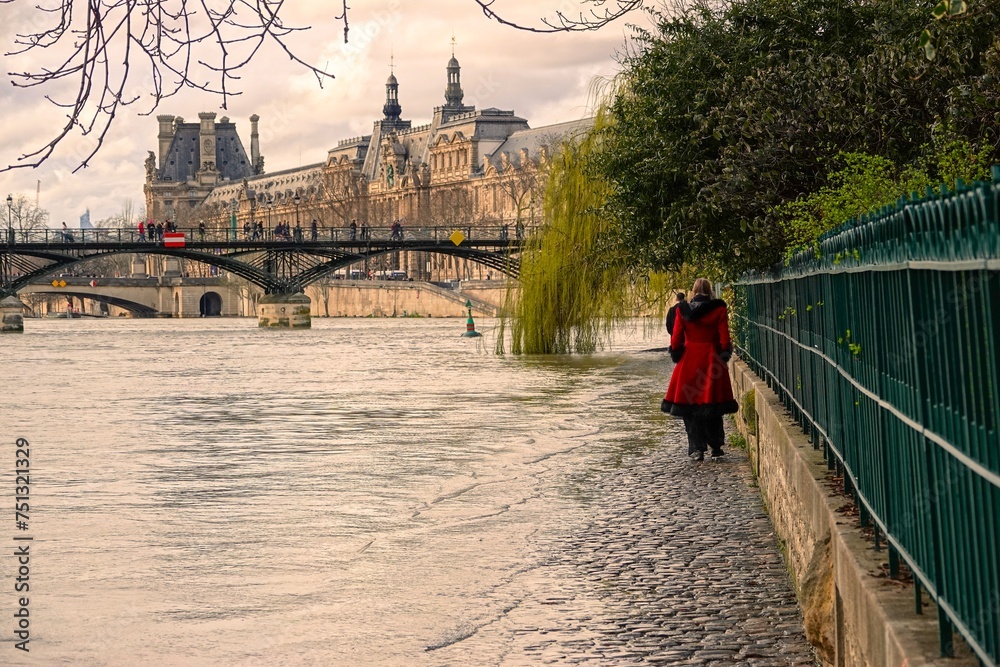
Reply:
x=700, y=385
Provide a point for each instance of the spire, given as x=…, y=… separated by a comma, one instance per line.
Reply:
x=391, y=110
x=453, y=93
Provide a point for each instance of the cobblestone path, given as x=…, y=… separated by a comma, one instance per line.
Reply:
x=676, y=564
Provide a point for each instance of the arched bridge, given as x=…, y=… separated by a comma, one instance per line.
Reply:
x=136, y=308
x=280, y=263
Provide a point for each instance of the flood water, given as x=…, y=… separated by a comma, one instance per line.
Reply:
x=363, y=493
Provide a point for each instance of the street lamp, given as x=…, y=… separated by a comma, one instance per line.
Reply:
x=252, y=196
x=296, y=200
x=10, y=224
x=270, y=205
x=234, y=207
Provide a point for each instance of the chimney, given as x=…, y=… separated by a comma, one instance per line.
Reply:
x=166, y=136
x=206, y=138
x=254, y=144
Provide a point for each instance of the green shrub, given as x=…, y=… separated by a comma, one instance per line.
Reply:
x=748, y=411
x=738, y=441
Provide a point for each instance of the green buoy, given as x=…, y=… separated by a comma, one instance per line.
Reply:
x=470, y=324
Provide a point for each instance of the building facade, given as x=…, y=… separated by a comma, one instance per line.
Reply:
x=467, y=169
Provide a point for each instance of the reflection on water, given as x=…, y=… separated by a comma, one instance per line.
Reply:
x=205, y=492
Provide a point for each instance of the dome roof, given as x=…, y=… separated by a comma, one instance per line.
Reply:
x=391, y=81
x=453, y=62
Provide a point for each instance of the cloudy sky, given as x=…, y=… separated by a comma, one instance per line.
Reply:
x=543, y=78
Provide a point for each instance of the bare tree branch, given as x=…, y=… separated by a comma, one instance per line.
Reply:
x=23, y=214
x=178, y=44
x=601, y=13
x=118, y=53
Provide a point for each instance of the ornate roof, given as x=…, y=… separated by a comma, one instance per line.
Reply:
x=184, y=157
x=533, y=140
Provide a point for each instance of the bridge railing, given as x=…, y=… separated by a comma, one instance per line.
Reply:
x=229, y=234
x=884, y=343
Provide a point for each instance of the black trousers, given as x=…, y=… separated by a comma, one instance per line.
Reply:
x=704, y=432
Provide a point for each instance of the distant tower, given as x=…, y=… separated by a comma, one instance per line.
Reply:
x=453, y=93
x=255, y=161
x=206, y=137
x=391, y=110
x=165, y=137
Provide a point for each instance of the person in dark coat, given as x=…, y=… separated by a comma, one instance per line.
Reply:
x=700, y=390
x=672, y=313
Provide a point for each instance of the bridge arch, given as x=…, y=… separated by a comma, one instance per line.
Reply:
x=210, y=304
x=137, y=309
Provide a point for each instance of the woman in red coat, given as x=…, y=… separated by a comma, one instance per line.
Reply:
x=700, y=390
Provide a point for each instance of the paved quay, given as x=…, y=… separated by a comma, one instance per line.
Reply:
x=676, y=563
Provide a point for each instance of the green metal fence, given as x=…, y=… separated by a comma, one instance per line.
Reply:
x=885, y=345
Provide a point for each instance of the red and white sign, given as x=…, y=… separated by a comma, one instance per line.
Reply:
x=93, y=283
x=173, y=239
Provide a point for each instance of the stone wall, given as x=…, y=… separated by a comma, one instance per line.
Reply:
x=170, y=297
x=854, y=615
x=373, y=298
x=490, y=291
x=185, y=301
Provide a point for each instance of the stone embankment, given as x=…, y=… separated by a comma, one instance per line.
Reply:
x=378, y=298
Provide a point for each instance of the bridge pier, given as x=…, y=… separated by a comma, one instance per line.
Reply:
x=284, y=311
x=12, y=315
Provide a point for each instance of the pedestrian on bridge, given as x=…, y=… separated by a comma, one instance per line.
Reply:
x=142, y=231
x=354, y=229
x=314, y=230
x=700, y=390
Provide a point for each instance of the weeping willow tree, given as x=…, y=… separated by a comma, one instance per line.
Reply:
x=576, y=283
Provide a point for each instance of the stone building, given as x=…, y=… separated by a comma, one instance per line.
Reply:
x=470, y=169
x=194, y=159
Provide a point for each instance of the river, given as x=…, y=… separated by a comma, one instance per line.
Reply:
x=362, y=493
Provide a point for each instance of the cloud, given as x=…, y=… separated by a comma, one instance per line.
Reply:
x=543, y=78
